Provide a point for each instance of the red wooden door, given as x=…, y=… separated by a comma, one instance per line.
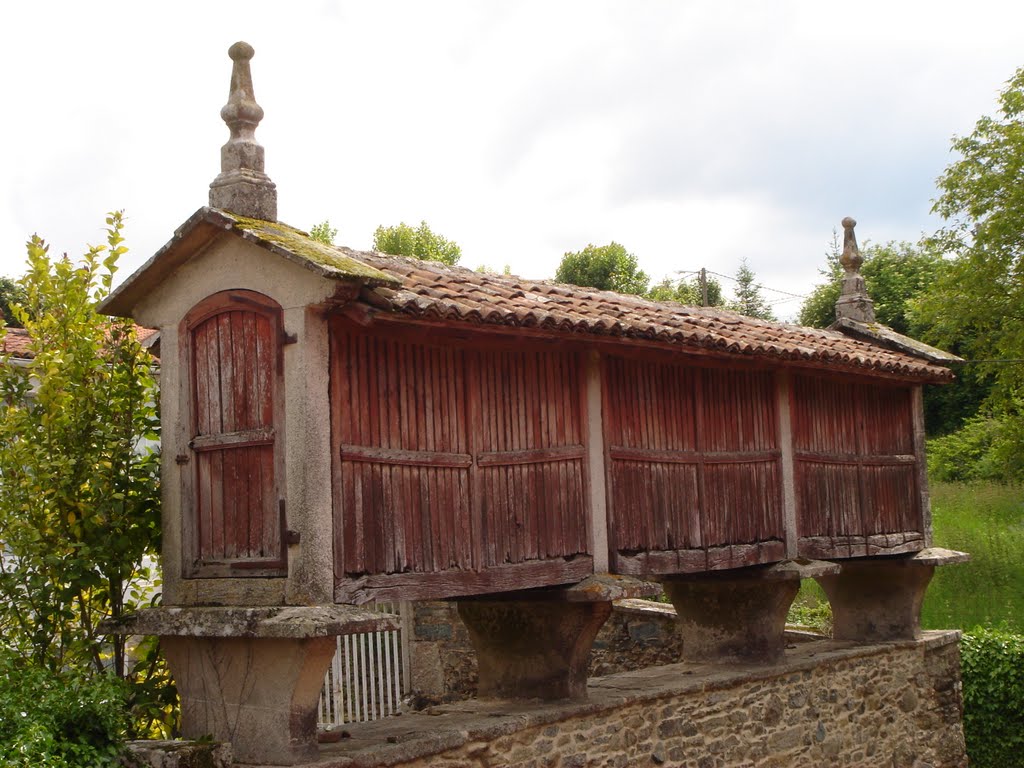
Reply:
x=233, y=521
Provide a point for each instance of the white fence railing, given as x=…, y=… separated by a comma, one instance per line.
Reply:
x=369, y=675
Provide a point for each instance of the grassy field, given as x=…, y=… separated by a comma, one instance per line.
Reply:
x=986, y=520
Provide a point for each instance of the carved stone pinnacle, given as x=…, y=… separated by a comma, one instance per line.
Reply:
x=242, y=187
x=851, y=258
x=854, y=302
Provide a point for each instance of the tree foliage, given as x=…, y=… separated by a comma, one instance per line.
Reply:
x=11, y=293
x=748, y=300
x=981, y=294
x=605, y=267
x=899, y=277
x=420, y=242
x=687, y=292
x=78, y=496
x=324, y=232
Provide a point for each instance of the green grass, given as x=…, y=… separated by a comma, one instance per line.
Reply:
x=986, y=520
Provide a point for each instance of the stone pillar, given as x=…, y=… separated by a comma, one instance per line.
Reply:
x=252, y=676
x=536, y=644
x=259, y=694
x=879, y=599
x=532, y=650
x=740, y=614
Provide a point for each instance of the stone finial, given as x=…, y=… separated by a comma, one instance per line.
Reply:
x=242, y=187
x=854, y=302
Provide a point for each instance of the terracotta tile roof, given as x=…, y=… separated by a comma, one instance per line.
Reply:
x=16, y=341
x=437, y=292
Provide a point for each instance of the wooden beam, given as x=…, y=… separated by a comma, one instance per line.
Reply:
x=917, y=408
x=789, y=516
x=595, y=463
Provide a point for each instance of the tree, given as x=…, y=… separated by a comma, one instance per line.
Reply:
x=421, y=243
x=749, y=300
x=687, y=292
x=324, y=232
x=982, y=202
x=79, y=503
x=897, y=275
x=10, y=293
x=606, y=267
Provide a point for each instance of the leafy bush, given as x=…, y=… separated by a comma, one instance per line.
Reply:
x=986, y=448
x=58, y=720
x=993, y=679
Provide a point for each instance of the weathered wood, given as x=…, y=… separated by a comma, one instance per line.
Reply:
x=698, y=560
x=917, y=412
x=694, y=459
x=231, y=347
x=457, y=583
x=466, y=459
x=595, y=480
x=395, y=456
x=832, y=547
x=857, y=465
x=242, y=439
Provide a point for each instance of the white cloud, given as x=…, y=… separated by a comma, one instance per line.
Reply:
x=693, y=133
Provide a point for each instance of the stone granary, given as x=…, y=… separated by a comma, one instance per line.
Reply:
x=345, y=426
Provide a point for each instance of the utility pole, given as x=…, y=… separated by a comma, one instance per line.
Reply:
x=703, y=287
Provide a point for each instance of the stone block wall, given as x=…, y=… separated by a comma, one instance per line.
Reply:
x=826, y=703
x=441, y=657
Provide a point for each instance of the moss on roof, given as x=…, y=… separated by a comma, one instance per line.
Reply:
x=329, y=260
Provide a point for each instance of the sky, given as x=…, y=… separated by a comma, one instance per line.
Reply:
x=694, y=133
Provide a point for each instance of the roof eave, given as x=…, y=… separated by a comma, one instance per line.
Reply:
x=883, y=336
x=201, y=229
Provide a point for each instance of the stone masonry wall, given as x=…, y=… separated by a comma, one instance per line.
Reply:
x=825, y=704
x=638, y=634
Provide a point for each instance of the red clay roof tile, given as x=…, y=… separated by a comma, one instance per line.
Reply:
x=437, y=292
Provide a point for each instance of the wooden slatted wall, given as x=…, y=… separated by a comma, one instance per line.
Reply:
x=856, y=468
x=694, y=467
x=233, y=348
x=464, y=464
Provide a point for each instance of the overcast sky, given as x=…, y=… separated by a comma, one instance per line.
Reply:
x=694, y=133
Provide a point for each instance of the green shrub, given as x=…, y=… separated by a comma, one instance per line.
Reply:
x=58, y=720
x=986, y=448
x=993, y=679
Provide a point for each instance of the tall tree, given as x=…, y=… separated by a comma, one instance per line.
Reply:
x=687, y=292
x=749, y=300
x=897, y=275
x=78, y=499
x=420, y=242
x=605, y=267
x=982, y=202
x=979, y=298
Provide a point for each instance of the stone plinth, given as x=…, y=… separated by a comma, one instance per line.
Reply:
x=877, y=599
x=536, y=643
x=252, y=676
x=738, y=615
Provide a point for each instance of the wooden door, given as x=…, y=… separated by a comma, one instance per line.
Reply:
x=233, y=507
